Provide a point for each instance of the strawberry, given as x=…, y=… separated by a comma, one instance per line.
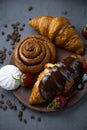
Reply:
x=26, y=80
x=84, y=31
x=84, y=65
x=58, y=102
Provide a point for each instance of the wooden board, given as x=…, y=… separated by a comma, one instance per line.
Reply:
x=23, y=94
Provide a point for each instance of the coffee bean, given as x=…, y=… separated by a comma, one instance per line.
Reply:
x=8, y=102
x=20, y=118
x=15, y=107
x=1, y=51
x=13, y=47
x=38, y=119
x=4, y=49
x=2, y=95
x=3, y=33
x=1, y=61
x=65, y=12
x=0, y=106
x=1, y=102
x=30, y=19
x=5, y=25
x=10, y=52
x=30, y=8
x=21, y=29
x=32, y=117
x=23, y=107
x=25, y=121
x=4, y=108
x=23, y=25
x=7, y=39
x=17, y=23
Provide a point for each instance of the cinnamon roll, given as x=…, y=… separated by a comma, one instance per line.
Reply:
x=33, y=52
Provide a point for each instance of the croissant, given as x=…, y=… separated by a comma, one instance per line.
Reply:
x=33, y=52
x=59, y=30
x=60, y=78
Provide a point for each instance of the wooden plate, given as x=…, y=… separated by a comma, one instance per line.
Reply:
x=23, y=94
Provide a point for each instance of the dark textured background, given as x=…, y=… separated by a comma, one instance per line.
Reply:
x=11, y=11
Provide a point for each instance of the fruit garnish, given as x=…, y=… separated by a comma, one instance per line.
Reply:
x=58, y=102
x=84, y=31
x=84, y=65
x=25, y=79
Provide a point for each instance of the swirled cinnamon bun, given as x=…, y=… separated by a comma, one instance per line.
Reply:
x=33, y=52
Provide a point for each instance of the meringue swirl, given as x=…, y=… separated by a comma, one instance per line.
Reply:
x=8, y=74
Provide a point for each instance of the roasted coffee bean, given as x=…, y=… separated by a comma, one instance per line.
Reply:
x=8, y=102
x=3, y=57
x=17, y=23
x=10, y=52
x=65, y=12
x=20, y=118
x=4, y=49
x=30, y=18
x=9, y=36
x=7, y=39
x=25, y=121
x=15, y=107
x=4, y=108
x=1, y=106
x=21, y=29
x=1, y=102
x=23, y=25
x=1, y=51
x=32, y=117
x=13, y=47
x=3, y=33
x=38, y=119
x=1, y=61
x=5, y=25
x=20, y=113
x=30, y=8
x=23, y=107
x=2, y=95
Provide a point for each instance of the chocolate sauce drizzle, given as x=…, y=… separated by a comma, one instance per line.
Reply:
x=55, y=82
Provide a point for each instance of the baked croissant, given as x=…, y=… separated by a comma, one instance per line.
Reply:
x=33, y=52
x=59, y=30
x=60, y=78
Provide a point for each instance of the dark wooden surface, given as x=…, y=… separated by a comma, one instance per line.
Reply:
x=23, y=94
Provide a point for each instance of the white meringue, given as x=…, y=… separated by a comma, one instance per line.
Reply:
x=7, y=73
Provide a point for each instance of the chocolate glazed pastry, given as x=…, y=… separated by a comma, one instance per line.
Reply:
x=61, y=78
x=33, y=52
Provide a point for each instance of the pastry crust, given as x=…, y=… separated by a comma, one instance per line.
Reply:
x=59, y=30
x=33, y=52
x=36, y=97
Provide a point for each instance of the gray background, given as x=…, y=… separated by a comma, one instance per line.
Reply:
x=11, y=11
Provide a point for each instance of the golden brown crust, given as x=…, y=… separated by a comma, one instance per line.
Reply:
x=33, y=52
x=60, y=30
x=36, y=98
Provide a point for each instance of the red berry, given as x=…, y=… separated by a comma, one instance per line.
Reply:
x=58, y=102
x=84, y=65
x=26, y=80
x=84, y=31
x=61, y=100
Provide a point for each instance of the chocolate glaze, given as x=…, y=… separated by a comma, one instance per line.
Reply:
x=54, y=82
